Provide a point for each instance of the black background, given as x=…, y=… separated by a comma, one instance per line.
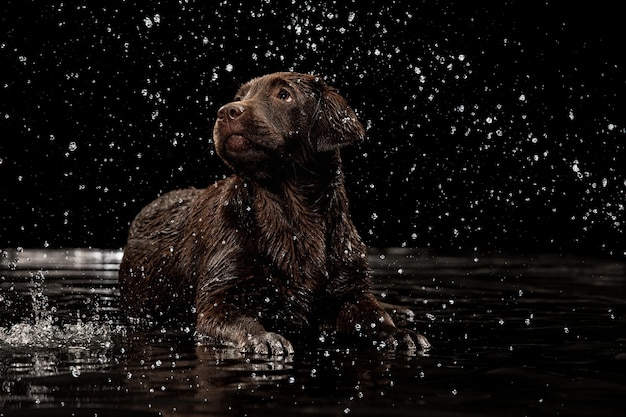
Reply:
x=491, y=125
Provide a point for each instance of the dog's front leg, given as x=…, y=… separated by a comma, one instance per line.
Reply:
x=246, y=333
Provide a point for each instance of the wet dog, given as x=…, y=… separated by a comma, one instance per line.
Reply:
x=267, y=256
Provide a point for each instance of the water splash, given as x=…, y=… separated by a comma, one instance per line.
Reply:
x=44, y=331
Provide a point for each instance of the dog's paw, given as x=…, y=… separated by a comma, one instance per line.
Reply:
x=268, y=343
x=402, y=339
x=397, y=311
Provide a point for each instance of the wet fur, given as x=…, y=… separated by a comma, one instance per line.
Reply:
x=269, y=255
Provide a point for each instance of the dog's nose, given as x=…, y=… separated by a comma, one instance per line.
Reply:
x=231, y=111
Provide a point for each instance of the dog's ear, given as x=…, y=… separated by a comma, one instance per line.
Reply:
x=334, y=122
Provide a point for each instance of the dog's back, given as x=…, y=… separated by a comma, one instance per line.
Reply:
x=149, y=283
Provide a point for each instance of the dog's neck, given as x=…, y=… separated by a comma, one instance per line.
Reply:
x=309, y=182
x=294, y=219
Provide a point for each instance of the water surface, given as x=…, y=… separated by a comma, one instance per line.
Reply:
x=513, y=336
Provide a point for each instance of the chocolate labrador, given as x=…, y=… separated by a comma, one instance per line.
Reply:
x=269, y=254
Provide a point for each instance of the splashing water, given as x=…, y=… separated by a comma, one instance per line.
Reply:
x=45, y=332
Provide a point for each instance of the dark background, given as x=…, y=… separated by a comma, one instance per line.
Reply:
x=492, y=126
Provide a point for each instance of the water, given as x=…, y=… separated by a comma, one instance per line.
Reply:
x=513, y=336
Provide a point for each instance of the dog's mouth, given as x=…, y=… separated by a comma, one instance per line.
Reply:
x=238, y=148
x=237, y=144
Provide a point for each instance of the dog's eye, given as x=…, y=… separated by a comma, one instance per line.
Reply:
x=284, y=95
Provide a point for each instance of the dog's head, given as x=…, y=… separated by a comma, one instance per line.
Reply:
x=282, y=119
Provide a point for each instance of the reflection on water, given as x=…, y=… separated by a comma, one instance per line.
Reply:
x=513, y=335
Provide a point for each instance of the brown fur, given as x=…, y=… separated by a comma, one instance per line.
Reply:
x=269, y=253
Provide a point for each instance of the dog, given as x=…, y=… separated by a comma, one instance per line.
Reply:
x=269, y=255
